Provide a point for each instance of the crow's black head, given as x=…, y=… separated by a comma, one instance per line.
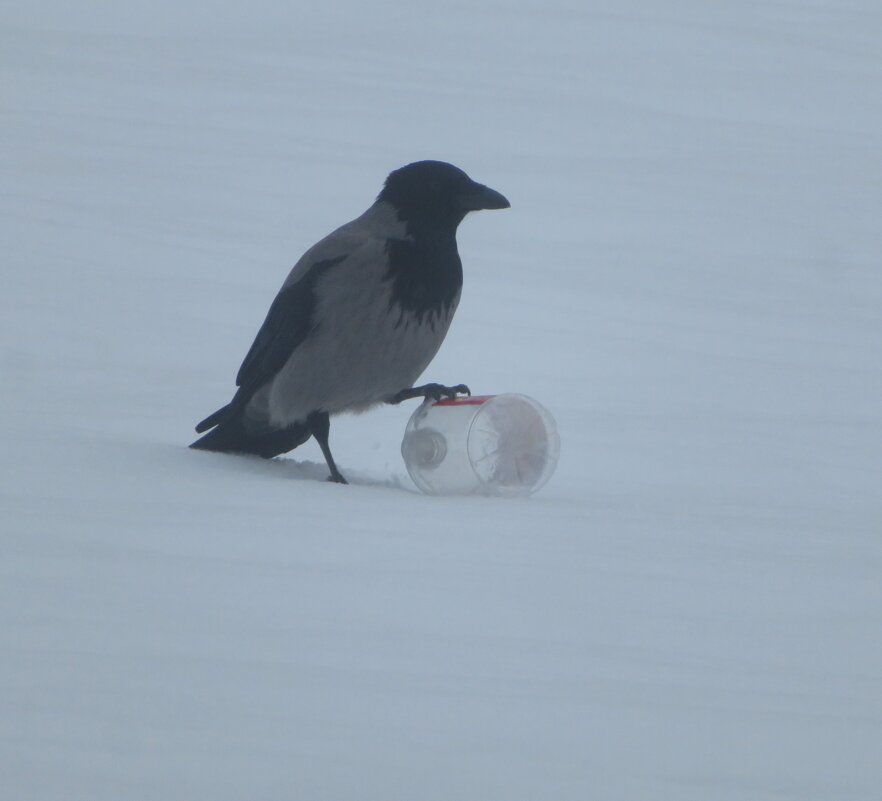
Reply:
x=437, y=193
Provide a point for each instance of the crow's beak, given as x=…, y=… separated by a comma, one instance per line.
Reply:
x=478, y=196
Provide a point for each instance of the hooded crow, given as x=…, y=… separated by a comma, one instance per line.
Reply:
x=358, y=319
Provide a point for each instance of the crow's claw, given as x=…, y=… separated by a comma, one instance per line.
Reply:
x=459, y=389
x=433, y=392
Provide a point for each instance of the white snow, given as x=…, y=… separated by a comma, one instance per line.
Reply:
x=688, y=278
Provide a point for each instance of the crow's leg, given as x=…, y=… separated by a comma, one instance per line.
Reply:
x=430, y=391
x=319, y=424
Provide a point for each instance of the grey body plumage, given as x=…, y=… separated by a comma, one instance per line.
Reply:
x=358, y=318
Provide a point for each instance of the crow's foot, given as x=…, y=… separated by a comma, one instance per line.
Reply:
x=433, y=392
x=319, y=426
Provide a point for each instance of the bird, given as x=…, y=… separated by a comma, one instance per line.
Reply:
x=357, y=320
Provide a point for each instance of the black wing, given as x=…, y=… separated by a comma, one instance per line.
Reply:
x=287, y=324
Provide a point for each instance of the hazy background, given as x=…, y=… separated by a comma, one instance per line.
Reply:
x=688, y=279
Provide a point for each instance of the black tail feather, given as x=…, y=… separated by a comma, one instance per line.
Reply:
x=212, y=419
x=231, y=436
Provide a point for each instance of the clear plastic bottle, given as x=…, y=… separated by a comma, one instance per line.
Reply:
x=485, y=444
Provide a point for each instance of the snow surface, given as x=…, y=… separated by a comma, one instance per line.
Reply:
x=688, y=278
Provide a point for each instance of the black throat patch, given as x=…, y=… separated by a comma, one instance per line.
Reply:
x=426, y=275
